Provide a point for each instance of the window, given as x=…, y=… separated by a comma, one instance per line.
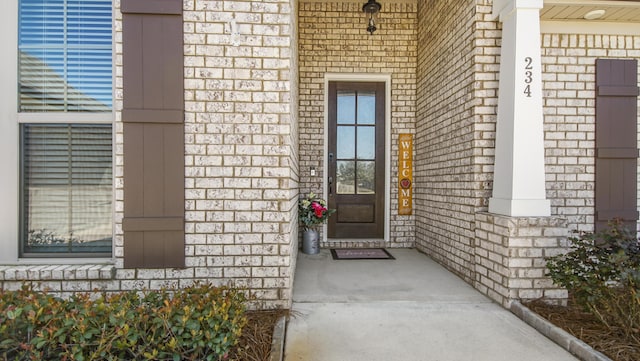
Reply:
x=66, y=177
x=65, y=101
x=65, y=55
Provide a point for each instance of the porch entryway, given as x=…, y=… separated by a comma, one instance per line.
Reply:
x=410, y=308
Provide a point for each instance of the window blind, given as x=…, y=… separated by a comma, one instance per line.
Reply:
x=67, y=188
x=65, y=55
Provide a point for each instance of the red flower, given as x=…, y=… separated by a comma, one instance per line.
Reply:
x=318, y=209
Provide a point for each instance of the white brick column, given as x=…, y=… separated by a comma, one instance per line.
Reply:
x=519, y=178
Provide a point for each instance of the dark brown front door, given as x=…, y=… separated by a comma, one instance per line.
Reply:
x=356, y=159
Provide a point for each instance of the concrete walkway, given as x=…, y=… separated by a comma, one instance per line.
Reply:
x=407, y=309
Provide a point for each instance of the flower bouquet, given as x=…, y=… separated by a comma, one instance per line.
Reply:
x=313, y=211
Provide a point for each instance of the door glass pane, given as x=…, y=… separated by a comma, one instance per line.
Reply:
x=366, y=142
x=366, y=108
x=346, y=142
x=346, y=107
x=345, y=177
x=366, y=177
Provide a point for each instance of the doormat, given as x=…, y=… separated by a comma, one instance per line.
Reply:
x=360, y=253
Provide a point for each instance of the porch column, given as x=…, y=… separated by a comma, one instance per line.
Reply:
x=519, y=175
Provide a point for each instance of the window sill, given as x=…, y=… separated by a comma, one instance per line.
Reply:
x=59, y=272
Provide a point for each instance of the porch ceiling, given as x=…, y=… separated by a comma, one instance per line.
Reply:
x=616, y=11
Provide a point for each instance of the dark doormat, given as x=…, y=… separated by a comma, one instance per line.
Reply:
x=360, y=253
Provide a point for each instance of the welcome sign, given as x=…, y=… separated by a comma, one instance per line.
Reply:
x=405, y=174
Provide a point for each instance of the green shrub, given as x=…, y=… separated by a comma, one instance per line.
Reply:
x=201, y=322
x=602, y=273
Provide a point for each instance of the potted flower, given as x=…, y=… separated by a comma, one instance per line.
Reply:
x=312, y=212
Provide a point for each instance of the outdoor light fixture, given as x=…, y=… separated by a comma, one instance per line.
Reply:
x=371, y=8
x=595, y=14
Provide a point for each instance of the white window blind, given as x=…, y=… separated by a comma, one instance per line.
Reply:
x=65, y=51
x=67, y=189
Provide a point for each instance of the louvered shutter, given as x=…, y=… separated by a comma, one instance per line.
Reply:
x=153, y=117
x=616, y=142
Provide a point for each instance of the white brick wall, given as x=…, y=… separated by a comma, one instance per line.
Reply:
x=456, y=118
x=240, y=157
x=568, y=62
x=455, y=128
x=247, y=112
x=510, y=256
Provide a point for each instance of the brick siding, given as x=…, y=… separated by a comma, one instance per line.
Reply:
x=240, y=155
x=254, y=129
x=455, y=125
x=568, y=76
x=510, y=256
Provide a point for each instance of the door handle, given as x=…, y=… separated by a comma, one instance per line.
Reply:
x=330, y=178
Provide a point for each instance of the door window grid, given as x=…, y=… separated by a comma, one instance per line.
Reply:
x=355, y=153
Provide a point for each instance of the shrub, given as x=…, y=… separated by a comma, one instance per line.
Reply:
x=195, y=323
x=602, y=273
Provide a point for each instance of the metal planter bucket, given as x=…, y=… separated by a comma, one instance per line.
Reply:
x=310, y=242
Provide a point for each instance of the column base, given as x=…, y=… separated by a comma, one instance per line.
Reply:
x=520, y=207
x=510, y=257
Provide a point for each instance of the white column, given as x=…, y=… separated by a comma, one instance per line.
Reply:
x=519, y=175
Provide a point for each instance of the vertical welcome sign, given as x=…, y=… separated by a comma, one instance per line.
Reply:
x=405, y=174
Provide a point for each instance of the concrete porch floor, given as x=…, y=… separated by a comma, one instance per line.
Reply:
x=408, y=309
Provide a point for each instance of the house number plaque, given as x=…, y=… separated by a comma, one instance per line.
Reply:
x=405, y=174
x=528, y=75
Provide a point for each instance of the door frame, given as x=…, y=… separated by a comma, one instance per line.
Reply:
x=361, y=77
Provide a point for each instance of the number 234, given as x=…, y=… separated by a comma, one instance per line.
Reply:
x=528, y=75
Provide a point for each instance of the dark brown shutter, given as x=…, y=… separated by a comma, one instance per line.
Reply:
x=153, y=117
x=616, y=141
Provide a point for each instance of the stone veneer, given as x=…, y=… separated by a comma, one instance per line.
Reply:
x=333, y=39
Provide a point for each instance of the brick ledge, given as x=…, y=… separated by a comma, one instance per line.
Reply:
x=57, y=272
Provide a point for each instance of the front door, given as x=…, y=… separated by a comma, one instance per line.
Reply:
x=356, y=159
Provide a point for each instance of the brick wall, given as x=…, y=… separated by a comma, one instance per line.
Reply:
x=568, y=76
x=254, y=129
x=456, y=119
x=292, y=161
x=333, y=39
x=510, y=256
x=240, y=151
x=240, y=156
x=457, y=90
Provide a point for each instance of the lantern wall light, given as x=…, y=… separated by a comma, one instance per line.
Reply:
x=371, y=8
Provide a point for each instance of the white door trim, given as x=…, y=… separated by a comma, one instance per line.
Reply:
x=363, y=77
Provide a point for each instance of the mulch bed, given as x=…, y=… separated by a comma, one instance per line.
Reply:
x=589, y=329
x=255, y=342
